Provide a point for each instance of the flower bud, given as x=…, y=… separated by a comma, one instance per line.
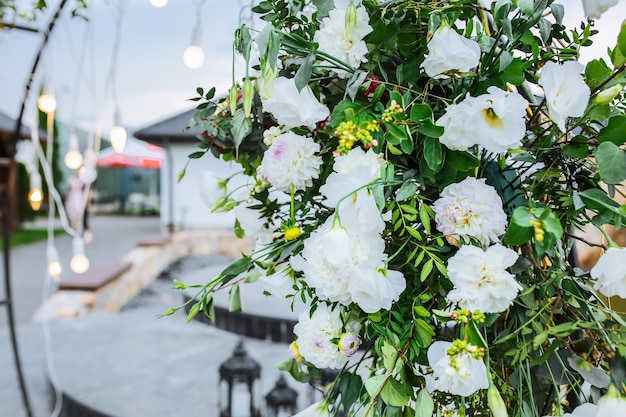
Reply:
x=350, y=19
x=292, y=233
x=248, y=95
x=349, y=343
x=269, y=73
x=233, y=99
x=294, y=352
x=495, y=401
x=606, y=96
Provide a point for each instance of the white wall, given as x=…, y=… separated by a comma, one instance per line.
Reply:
x=188, y=208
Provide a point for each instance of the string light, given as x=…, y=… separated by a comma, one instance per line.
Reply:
x=46, y=101
x=79, y=262
x=73, y=158
x=158, y=3
x=35, y=196
x=118, y=137
x=194, y=56
x=54, y=266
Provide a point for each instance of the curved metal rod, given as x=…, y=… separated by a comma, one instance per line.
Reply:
x=11, y=192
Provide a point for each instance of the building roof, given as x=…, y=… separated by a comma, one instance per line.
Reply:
x=172, y=129
x=7, y=127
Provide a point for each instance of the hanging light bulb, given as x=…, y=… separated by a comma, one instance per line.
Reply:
x=118, y=134
x=194, y=56
x=158, y=3
x=54, y=266
x=46, y=101
x=35, y=196
x=73, y=158
x=79, y=262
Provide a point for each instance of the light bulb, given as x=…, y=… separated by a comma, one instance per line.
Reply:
x=54, y=266
x=73, y=159
x=35, y=195
x=79, y=262
x=118, y=138
x=158, y=3
x=46, y=101
x=193, y=56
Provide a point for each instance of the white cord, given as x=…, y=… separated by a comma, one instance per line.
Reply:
x=47, y=339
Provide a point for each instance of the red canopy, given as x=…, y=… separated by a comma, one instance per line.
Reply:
x=136, y=154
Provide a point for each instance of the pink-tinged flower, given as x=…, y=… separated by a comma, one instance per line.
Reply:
x=470, y=209
x=462, y=376
x=292, y=160
x=567, y=94
x=349, y=343
x=449, y=51
x=610, y=273
x=315, y=334
x=481, y=281
x=293, y=108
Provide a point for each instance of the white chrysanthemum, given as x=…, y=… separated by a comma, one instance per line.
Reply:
x=293, y=108
x=449, y=51
x=466, y=376
x=470, y=209
x=481, y=281
x=494, y=121
x=315, y=335
x=373, y=289
x=335, y=40
x=567, y=94
x=595, y=8
x=291, y=160
x=610, y=273
x=212, y=188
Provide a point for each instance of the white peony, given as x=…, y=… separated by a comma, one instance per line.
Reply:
x=610, y=273
x=470, y=209
x=494, y=121
x=480, y=279
x=565, y=90
x=212, y=188
x=449, y=51
x=293, y=108
x=595, y=8
x=336, y=40
x=315, y=335
x=463, y=377
x=374, y=289
x=291, y=160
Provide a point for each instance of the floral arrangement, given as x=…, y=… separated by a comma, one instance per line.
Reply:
x=417, y=172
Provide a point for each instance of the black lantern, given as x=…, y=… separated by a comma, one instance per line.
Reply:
x=318, y=387
x=239, y=385
x=281, y=400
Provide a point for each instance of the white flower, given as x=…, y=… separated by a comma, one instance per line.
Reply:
x=291, y=160
x=449, y=51
x=293, y=108
x=374, y=289
x=584, y=410
x=611, y=404
x=314, y=410
x=494, y=121
x=280, y=283
x=480, y=279
x=212, y=188
x=356, y=157
x=349, y=343
x=315, y=335
x=610, y=273
x=336, y=245
x=339, y=42
x=566, y=92
x=470, y=209
x=594, y=8
x=270, y=134
x=463, y=377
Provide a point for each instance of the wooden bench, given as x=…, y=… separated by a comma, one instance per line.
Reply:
x=96, y=276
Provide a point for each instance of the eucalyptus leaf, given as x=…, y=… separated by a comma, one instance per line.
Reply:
x=611, y=163
x=234, y=299
x=303, y=76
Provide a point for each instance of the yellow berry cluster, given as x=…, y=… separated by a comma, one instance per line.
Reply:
x=459, y=347
x=463, y=315
x=539, y=232
x=349, y=133
x=393, y=109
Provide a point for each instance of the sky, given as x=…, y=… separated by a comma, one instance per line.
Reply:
x=149, y=79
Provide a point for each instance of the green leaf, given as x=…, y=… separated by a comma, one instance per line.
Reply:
x=241, y=127
x=421, y=311
x=462, y=161
x=425, y=333
x=424, y=406
x=425, y=217
x=428, y=128
x=433, y=153
x=238, y=267
x=613, y=131
x=396, y=131
x=426, y=270
x=517, y=235
x=395, y=393
x=407, y=190
x=181, y=174
x=374, y=384
x=323, y=7
x=596, y=72
x=421, y=112
x=551, y=223
x=597, y=200
x=234, y=299
x=621, y=39
x=390, y=355
x=354, y=83
x=193, y=311
x=577, y=148
x=303, y=76
x=611, y=163
x=526, y=6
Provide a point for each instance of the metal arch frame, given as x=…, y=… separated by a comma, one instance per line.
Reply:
x=9, y=192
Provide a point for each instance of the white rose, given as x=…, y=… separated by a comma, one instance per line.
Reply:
x=594, y=8
x=449, y=51
x=480, y=279
x=610, y=273
x=470, y=209
x=466, y=376
x=293, y=108
x=565, y=90
x=374, y=290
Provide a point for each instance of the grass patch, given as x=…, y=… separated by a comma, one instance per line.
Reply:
x=28, y=236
